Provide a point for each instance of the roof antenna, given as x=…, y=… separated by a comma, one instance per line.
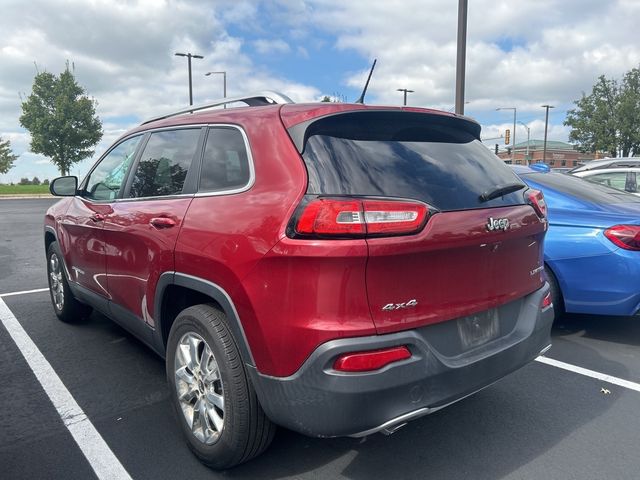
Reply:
x=366, y=85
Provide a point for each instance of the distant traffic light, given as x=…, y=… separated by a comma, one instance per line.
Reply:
x=507, y=137
x=496, y=148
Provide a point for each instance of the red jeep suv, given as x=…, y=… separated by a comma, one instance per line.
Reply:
x=336, y=269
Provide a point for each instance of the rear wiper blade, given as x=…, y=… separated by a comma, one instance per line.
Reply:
x=500, y=190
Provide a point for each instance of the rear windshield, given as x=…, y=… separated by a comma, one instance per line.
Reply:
x=581, y=189
x=418, y=156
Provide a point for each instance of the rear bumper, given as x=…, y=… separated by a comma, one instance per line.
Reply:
x=319, y=401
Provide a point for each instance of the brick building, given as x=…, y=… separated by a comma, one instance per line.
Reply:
x=559, y=154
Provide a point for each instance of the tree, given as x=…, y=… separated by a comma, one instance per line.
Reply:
x=61, y=119
x=628, y=112
x=6, y=156
x=35, y=181
x=608, y=119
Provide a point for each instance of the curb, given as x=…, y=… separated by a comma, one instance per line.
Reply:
x=26, y=196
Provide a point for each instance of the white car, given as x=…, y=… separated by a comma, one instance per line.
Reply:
x=622, y=162
x=620, y=178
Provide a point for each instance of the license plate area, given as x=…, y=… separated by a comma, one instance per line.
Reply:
x=478, y=329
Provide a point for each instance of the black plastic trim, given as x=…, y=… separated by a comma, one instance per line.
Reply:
x=212, y=290
x=122, y=316
x=52, y=231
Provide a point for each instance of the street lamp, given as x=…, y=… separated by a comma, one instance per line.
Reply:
x=528, y=137
x=189, y=57
x=405, y=93
x=513, y=155
x=546, y=124
x=224, y=83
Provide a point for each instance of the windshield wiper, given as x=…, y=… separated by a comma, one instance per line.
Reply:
x=500, y=190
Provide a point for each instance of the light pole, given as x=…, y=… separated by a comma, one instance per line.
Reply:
x=528, y=137
x=224, y=83
x=461, y=55
x=546, y=124
x=405, y=94
x=513, y=150
x=189, y=57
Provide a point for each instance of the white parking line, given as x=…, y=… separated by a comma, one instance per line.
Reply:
x=11, y=294
x=95, y=449
x=590, y=373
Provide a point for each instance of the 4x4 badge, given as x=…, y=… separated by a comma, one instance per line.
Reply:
x=497, y=224
x=398, y=306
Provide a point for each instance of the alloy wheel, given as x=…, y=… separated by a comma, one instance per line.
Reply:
x=56, y=282
x=199, y=388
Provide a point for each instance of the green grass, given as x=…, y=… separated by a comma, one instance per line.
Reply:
x=23, y=189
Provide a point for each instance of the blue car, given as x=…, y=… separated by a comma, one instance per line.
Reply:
x=592, y=248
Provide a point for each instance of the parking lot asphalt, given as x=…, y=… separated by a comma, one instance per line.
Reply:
x=539, y=422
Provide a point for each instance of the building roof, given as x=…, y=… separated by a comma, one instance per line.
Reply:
x=539, y=145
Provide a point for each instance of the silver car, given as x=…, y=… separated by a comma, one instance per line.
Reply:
x=620, y=178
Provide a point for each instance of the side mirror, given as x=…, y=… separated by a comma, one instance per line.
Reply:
x=64, y=186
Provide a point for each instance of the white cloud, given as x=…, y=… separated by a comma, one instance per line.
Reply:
x=265, y=46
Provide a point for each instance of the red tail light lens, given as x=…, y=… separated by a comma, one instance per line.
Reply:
x=332, y=217
x=536, y=199
x=370, y=360
x=361, y=217
x=624, y=236
x=546, y=301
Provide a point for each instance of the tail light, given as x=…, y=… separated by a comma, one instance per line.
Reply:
x=536, y=199
x=546, y=301
x=370, y=360
x=624, y=236
x=360, y=217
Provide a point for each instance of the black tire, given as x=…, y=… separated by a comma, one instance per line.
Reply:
x=69, y=309
x=556, y=293
x=246, y=431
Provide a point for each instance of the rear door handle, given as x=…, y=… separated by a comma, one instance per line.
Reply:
x=162, y=222
x=97, y=217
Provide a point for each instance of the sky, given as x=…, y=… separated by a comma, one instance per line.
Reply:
x=520, y=53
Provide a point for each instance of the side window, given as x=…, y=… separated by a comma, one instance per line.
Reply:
x=105, y=181
x=164, y=163
x=225, y=165
x=613, y=179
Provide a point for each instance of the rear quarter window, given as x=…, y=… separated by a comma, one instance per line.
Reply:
x=225, y=164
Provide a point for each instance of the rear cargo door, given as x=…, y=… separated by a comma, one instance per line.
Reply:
x=455, y=267
x=482, y=244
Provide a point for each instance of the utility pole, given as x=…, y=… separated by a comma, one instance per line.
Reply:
x=528, y=139
x=461, y=55
x=546, y=124
x=513, y=149
x=189, y=57
x=405, y=94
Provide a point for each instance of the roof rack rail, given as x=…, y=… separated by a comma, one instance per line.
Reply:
x=267, y=97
